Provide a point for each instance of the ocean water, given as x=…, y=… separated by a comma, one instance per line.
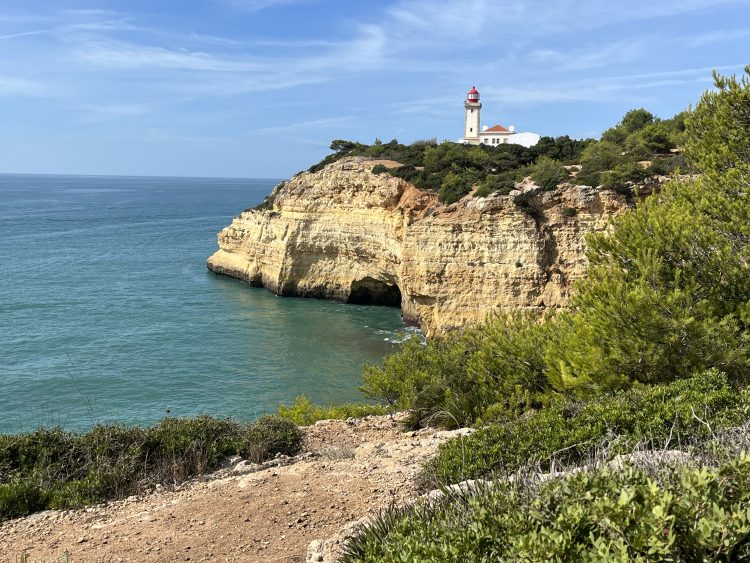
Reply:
x=108, y=313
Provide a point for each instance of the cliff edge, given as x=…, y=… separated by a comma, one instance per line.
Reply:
x=348, y=234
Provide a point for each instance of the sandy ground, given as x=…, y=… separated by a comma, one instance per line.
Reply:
x=245, y=513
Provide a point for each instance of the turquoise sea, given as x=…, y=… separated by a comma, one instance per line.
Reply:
x=108, y=313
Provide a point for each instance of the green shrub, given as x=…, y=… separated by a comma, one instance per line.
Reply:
x=454, y=186
x=548, y=173
x=379, y=169
x=304, y=413
x=563, y=149
x=19, y=498
x=597, y=158
x=271, y=435
x=623, y=176
x=51, y=468
x=529, y=204
x=689, y=514
x=653, y=138
x=502, y=183
x=570, y=432
x=451, y=381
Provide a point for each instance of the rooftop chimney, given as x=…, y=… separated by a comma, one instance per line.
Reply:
x=485, y=127
x=512, y=128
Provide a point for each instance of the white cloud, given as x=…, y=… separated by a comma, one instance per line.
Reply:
x=14, y=86
x=126, y=56
x=99, y=113
x=712, y=37
x=258, y=5
x=25, y=34
x=312, y=124
x=592, y=55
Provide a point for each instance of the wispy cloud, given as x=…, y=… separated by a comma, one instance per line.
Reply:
x=97, y=113
x=25, y=34
x=592, y=55
x=125, y=56
x=14, y=86
x=258, y=5
x=712, y=37
x=312, y=124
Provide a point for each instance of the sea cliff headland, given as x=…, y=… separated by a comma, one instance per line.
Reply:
x=347, y=233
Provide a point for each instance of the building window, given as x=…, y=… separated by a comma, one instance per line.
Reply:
x=471, y=129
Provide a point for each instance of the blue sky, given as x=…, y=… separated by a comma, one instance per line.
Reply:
x=259, y=88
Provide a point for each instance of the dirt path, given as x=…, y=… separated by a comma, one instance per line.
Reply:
x=350, y=468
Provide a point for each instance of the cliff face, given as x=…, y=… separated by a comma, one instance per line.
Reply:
x=345, y=233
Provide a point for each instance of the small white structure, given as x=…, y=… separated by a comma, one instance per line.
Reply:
x=495, y=135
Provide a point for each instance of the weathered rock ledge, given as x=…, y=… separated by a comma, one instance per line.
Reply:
x=345, y=233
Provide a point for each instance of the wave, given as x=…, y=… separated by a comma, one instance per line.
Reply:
x=401, y=335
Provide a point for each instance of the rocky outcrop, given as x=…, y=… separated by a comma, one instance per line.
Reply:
x=345, y=233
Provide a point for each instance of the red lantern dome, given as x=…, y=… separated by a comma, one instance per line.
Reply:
x=473, y=95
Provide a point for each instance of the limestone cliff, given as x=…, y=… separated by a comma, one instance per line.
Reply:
x=345, y=233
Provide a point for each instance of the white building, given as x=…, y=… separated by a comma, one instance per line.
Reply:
x=495, y=135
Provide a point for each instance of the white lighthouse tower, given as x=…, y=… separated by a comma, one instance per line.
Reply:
x=471, y=125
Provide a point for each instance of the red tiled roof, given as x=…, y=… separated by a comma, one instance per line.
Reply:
x=496, y=129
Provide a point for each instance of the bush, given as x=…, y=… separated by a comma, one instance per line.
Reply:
x=19, y=498
x=454, y=186
x=271, y=435
x=597, y=158
x=654, y=138
x=548, y=173
x=529, y=204
x=502, y=184
x=690, y=514
x=51, y=468
x=379, y=169
x=570, y=432
x=563, y=149
x=623, y=176
x=304, y=413
x=451, y=381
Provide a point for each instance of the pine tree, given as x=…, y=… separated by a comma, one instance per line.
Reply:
x=668, y=292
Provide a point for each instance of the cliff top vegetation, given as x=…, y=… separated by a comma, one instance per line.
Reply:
x=454, y=169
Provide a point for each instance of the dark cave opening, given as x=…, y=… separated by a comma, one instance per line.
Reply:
x=369, y=291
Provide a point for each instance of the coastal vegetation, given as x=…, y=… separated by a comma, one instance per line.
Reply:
x=574, y=432
x=52, y=468
x=304, y=412
x=639, y=146
x=653, y=354
x=679, y=512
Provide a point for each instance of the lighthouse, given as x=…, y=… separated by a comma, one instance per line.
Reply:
x=471, y=126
